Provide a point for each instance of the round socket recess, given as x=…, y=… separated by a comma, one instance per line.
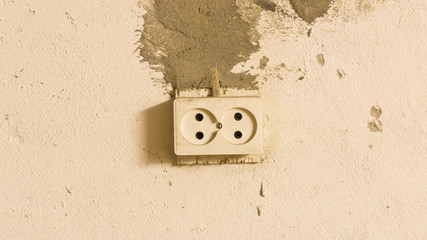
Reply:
x=239, y=126
x=198, y=126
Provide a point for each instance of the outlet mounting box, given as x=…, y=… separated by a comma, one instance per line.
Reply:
x=224, y=125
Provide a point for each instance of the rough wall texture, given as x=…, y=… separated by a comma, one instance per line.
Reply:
x=85, y=135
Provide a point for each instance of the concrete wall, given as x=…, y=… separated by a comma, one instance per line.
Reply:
x=85, y=130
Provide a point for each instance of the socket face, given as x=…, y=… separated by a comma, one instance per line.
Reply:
x=240, y=126
x=218, y=125
x=198, y=126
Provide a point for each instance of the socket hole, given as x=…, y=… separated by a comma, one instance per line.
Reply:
x=238, y=116
x=199, y=117
x=199, y=135
x=238, y=134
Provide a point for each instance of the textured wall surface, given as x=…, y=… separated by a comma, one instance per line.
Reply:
x=85, y=129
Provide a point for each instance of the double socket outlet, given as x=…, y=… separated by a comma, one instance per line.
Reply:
x=218, y=126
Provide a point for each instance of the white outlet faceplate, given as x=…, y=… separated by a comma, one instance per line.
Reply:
x=218, y=126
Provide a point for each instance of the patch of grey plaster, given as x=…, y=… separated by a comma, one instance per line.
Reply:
x=184, y=39
x=309, y=10
x=266, y=5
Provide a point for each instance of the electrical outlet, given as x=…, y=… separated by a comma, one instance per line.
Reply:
x=218, y=126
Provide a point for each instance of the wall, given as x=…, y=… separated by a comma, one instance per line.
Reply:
x=85, y=129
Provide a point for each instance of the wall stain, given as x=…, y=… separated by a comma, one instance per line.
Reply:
x=366, y=6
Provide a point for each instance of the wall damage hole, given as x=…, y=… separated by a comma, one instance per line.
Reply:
x=262, y=190
x=376, y=112
x=375, y=125
x=68, y=189
x=340, y=73
x=320, y=59
x=259, y=209
x=69, y=17
x=263, y=62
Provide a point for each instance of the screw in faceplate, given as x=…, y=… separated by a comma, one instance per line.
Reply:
x=219, y=125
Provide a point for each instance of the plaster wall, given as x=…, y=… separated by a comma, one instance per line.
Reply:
x=86, y=134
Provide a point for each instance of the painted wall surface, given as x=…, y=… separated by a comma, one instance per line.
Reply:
x=86, y=133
